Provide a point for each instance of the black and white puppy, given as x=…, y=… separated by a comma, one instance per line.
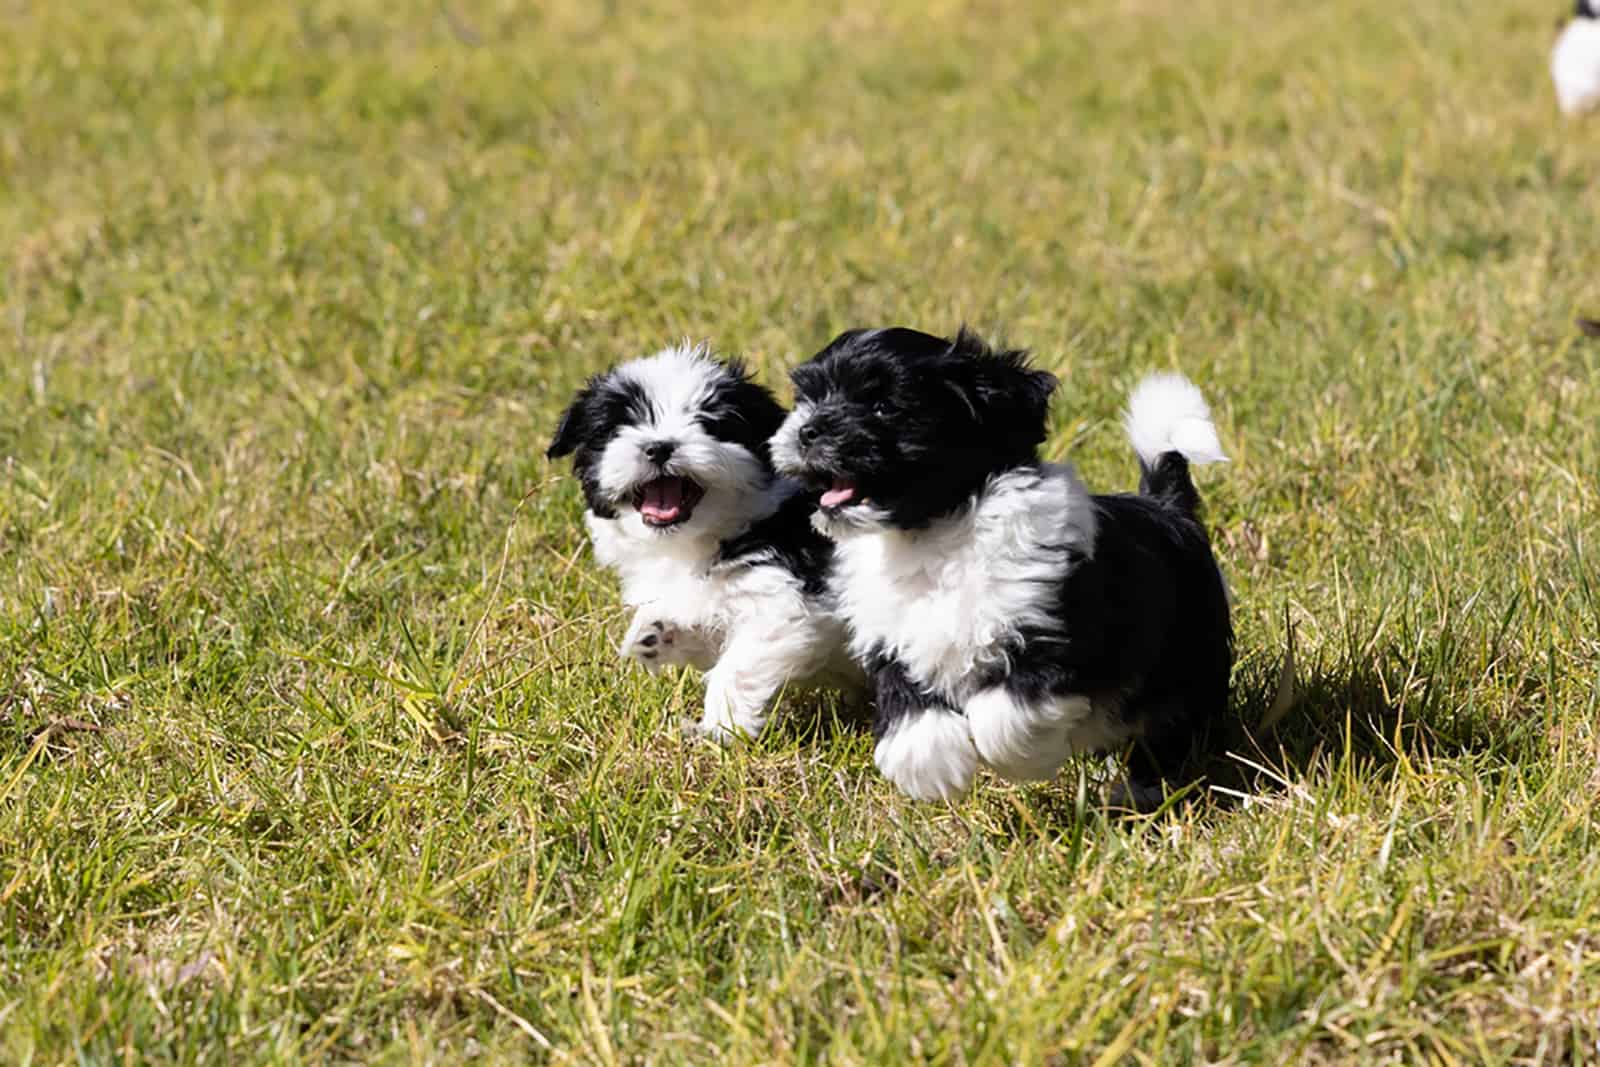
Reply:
x=715, y=551
x=1008, y=617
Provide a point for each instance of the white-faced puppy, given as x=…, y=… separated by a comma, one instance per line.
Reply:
x=1575, y=60
x=1006, y=616
x=715, y=551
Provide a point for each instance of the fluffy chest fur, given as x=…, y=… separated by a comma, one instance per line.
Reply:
x=683, y=579
x=951, y=601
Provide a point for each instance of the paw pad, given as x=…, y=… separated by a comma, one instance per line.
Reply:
x=650, y=639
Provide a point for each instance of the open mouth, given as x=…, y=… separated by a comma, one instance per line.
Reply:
x=664, y=502
x=841, y=493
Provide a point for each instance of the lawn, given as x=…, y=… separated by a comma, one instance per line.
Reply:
x=313, y=742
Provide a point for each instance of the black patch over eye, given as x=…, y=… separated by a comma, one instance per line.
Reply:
x=627, y=404
x=726, y=424
x=741, y=412
x=605, y=404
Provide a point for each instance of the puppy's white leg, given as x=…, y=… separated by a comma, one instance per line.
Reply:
x=657, y=641
x=928, y=754
x=1022, y=740
x=753, y=668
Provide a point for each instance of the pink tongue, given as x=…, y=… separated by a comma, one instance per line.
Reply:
x=841, y=492
x=662, y=499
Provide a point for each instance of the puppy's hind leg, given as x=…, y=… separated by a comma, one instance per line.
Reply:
x=1162, y=759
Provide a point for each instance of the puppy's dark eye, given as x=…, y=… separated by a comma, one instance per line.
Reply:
x=881, y=409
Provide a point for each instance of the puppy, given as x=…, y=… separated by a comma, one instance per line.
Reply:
x=1575, y=60
x=1007, y=617
x=715, y=551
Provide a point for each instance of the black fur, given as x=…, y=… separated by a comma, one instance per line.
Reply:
x=1146, y=621
x=606, y=403
x=1586, y=10
x=744, y=412
x=1169, y=483
x=921, y=424
x=896, y=695
x=788, y=539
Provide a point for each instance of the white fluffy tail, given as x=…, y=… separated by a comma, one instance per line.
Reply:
x=1167, y=414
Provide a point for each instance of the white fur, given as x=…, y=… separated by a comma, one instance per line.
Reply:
x=928, y=755
x=1575, y=66
x=1028, y=742
x=752, y=629
x=785, y=444
x=1167, y=414
x=946, y=601
x=657, y=642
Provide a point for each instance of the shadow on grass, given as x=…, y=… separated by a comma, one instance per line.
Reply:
x=1361, y=715
x=1358, y=716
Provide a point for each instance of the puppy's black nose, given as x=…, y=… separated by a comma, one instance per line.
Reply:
x=659, y=452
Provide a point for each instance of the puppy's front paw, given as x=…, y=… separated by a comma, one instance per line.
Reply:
x=1023, y=741
x=929, y=755
x=653, y=641
x=705, y=730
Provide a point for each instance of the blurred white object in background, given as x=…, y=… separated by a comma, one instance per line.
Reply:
x=1575, y=61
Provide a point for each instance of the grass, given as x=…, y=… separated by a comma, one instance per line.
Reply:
x=312, y=742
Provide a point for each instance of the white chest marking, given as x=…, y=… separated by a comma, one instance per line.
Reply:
x=948, y=601
x=678, y=578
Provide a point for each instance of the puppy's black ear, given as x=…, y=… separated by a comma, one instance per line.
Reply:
x=756, y=401
x=1002, y=390
x=1034, y=390
x=574, y=425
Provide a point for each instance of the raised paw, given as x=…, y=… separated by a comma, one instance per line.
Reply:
x=656, y=637
x=655, y=642
x=658, y=642
x=1023, y=740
